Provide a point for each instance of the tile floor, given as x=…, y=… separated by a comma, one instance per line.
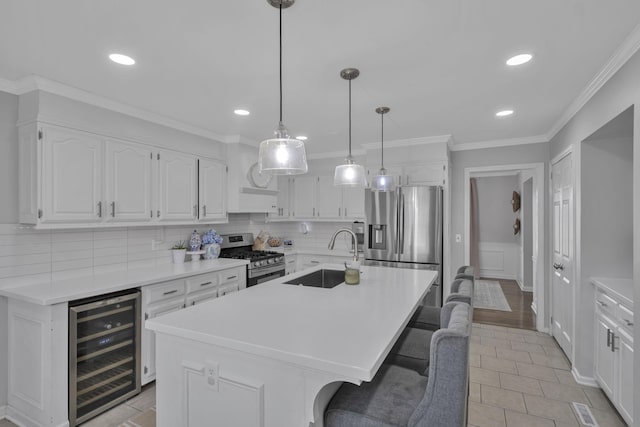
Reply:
x=518, y=378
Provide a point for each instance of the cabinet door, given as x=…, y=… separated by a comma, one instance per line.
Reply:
x=604, y=357
x=426, y=174
x=284, y=196
x=212, y=189
x=148, y=345
x=624, y=382
x=71, y=176
x=353, y=203
x=328, y=198
x=127, y=182
x=304, y=190
x=178, y=187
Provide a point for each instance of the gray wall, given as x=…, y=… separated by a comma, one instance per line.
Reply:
x=527, y=233
x=519, y=154
x=495, y=213
x=618, y=94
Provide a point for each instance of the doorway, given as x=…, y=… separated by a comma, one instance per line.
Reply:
x=532, y=175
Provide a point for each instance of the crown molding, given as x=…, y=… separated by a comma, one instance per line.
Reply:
x=31, y=83
x=408, y=142
x=622, y=54
x=536, y=139
x=239, y=139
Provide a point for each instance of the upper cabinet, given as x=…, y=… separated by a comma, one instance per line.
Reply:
x=419, y=174
x=70, y=178
x=212, y=187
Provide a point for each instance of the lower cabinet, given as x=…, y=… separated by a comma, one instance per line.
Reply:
x=613, y=358
x=167, y=297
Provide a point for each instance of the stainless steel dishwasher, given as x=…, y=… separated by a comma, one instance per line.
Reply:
x=104, y=353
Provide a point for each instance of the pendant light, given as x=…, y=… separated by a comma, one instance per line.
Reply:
x=350, y=174
x=382, y=181
x=282, y=155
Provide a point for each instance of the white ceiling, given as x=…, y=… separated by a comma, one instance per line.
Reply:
x=439, y=65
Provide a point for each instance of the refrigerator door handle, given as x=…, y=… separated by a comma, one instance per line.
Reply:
x=396, y=243
x=401, y=228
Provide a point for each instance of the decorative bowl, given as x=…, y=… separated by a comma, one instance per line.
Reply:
x=274, y=242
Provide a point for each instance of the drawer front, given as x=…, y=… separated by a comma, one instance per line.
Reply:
x=626, y=316
x=202, y=296
x=163, y=291
x=228, y=288
x=605, y=303
x=229, y=276
x=202, y=282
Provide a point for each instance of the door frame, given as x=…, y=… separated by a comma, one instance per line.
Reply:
x=538, y=219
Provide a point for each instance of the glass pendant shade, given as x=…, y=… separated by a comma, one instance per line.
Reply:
x=350, y=174
x=282, y=155
x=383, y=182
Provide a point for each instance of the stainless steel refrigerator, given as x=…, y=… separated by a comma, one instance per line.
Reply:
x=403, y=229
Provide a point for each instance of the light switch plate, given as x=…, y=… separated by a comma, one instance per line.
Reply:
x=212, y=375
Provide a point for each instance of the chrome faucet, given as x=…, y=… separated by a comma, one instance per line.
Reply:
x=354, y=240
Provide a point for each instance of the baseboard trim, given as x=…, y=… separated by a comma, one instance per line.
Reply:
x=3, y=411
x=522, y=287
x=23, y=420
x=534, y=308
x=493, y=274
x=583, y=380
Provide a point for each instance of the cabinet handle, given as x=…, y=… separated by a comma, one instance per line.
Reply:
x=184, y=305
x=205, y=284
x=601, y=303
x=204, y=210
x=193, y=303
x=613, y=342
x=195, y=211
x=629, y=323
x=158, y=213
x=345, y=211
x=314, y=212
x=313, y=261
x=231, y=277
x=608, y=337
x=170, y=292
x=99, y=209
x=113, y=209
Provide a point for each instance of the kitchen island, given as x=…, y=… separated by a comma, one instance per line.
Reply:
x=274, y=354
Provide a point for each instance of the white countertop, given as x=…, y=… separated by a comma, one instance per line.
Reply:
x=54, y=292
x=348, y=329
x=622, y=288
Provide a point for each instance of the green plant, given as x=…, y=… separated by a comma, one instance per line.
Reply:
x=180, y=245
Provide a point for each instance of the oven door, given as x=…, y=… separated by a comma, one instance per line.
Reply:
x=260, y=275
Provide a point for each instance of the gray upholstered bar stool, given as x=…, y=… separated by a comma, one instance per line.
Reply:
x=428, y=317
x=401, y=397
x=465, y=272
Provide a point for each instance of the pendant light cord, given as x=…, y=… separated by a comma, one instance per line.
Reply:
x=349, y=118
x=281, y=62
x=382, y=140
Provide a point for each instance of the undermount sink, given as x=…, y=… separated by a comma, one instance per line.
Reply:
x=319, y=279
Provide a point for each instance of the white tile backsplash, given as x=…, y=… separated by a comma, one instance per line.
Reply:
x=28, y=255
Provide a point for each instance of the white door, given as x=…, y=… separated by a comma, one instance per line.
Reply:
x=562, y=307
x=304, y=189
x=353, y=203
x=71, y=176
x=328, y=198
x=178, y=192
x=212, y=190
x=604, y=357
x=127, y=182
x=624, y=382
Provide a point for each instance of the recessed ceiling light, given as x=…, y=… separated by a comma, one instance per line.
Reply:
x=523, y=58
x=301, y=138
x=241, y=112
x=504, y=113
x=121, y=59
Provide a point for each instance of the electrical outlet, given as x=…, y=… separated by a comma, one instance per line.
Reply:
x=211, y=374
x=458, y=238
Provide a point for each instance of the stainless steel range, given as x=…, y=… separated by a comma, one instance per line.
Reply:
x=264, y=265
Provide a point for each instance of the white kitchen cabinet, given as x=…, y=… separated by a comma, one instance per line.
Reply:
x=163, y=298
x=212, y=190
x=71, y=176
x=613, y=357
x=178, y=189
x=315, y=197
x=284, y=198
x=127, y=182
x=434, y=173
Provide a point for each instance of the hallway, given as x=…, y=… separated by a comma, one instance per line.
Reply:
x=521, y=316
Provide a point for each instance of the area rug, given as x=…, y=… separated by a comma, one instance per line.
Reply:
x=488, y=295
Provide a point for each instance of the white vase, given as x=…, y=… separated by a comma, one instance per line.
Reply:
x=178, y=255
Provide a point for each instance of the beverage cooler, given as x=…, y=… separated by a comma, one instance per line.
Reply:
x=104, y=353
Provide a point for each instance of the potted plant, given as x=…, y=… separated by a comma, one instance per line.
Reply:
x=178, y=252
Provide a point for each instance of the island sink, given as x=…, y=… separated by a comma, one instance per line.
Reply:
x=319, y=279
